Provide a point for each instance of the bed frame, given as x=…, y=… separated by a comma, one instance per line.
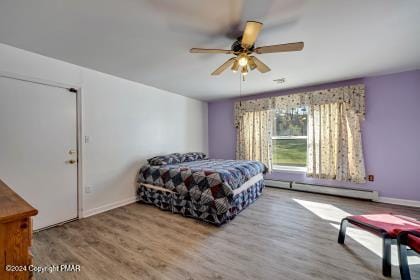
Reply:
x=185, y=205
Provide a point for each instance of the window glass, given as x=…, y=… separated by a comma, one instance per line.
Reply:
x=292, y=122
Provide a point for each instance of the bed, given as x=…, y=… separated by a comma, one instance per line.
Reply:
x=211, y=190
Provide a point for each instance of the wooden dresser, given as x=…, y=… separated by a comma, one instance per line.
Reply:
x=15, y=234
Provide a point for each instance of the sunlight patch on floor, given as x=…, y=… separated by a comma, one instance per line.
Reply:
x=368, y=240
x=325, y=211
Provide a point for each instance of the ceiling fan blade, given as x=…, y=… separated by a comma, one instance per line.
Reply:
x=224, y=66
x=260, y=65
x=252, y=29
x=199, y=50
x=291, y=47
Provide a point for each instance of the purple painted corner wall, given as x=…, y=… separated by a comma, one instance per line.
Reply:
x=391, y=133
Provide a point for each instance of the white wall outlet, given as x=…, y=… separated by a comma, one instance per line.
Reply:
x=87, y=139
x=88, y=189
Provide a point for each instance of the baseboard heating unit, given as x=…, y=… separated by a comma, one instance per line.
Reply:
x=330, y=190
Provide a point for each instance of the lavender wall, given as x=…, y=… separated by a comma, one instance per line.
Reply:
x=391, y=134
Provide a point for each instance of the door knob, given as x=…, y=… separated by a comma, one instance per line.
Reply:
x=72, y=161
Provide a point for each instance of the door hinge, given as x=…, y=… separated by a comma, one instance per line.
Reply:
x=72, y=90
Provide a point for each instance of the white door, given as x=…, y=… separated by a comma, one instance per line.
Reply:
x=38, y=140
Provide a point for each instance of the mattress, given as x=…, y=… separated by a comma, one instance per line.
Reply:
x=202, y=173
x=237, y=191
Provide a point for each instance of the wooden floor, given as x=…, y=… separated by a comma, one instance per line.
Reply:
x=283, y=235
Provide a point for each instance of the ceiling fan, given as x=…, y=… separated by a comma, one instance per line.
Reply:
x=244, y=47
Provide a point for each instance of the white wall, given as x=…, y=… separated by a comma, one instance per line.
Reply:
x=126, y=122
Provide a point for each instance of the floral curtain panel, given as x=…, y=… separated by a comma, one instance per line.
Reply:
x=334, y=143
x=334, y=138
x=254, y=137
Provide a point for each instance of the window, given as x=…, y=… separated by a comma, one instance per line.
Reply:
x=289, y=139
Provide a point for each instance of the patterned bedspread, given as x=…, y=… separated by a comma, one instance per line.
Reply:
x=206, y=181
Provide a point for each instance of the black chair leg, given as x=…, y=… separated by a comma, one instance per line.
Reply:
x=342, y=232
x=386, y=257
x=402, y=257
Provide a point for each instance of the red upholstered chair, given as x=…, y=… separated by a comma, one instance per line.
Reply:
x=387, y=226
x=404, y=239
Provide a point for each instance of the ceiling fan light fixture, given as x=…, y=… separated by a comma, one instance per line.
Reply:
x=235, y=66
x=244, y=70
x=243, y=60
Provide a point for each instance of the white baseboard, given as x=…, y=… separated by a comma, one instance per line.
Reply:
x=278, y=184
x=107, y=207
x=320, y=189
x=397, y=201
x=110, y=206
x=341, y=192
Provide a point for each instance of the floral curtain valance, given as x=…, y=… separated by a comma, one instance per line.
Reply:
x=353, y=96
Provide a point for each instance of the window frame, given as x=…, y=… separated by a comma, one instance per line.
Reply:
x=288, y=168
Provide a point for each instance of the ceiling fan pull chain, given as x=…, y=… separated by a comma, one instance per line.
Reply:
x=240, y=90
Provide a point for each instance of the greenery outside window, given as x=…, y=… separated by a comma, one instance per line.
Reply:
x=289, y=139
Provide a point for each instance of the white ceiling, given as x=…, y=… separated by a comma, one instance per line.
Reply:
x=148, y=41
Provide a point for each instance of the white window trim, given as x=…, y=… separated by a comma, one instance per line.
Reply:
x=291, y=169
x=288, y=137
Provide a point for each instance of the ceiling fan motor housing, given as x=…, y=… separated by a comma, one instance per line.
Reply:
x=237, y=46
